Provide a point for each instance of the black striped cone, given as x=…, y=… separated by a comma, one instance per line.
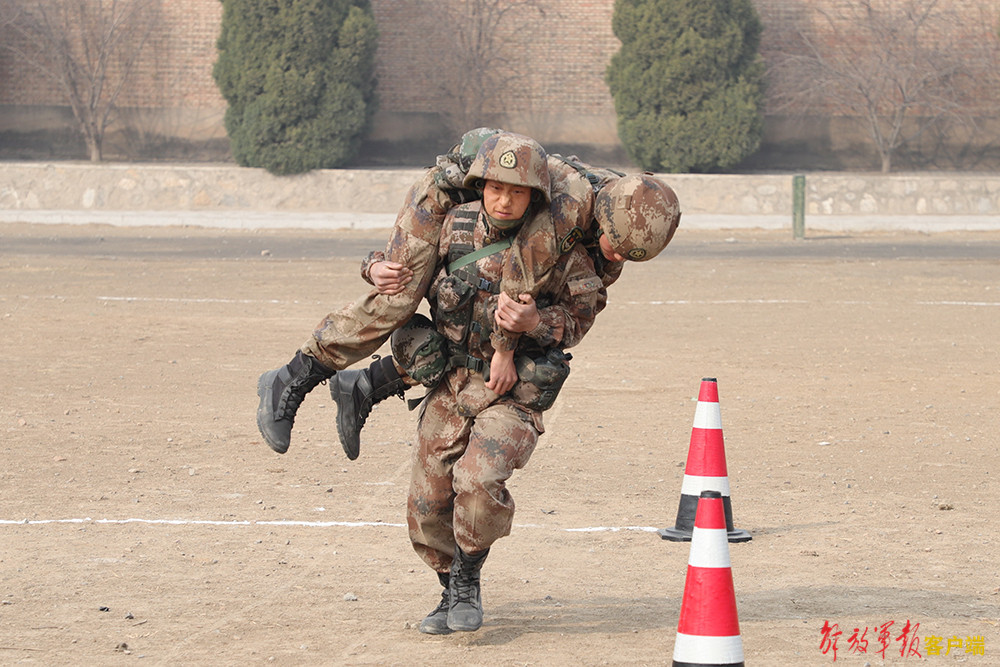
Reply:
x=708, y=630
x=706, y=468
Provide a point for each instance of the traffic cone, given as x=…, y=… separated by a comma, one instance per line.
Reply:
x=708, y=630
x=706, y=468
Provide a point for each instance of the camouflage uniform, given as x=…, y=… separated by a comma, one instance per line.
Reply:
x=358, y=329
x=470, y=440
x=582, y=182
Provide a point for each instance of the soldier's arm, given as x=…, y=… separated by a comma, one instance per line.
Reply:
x=412, y=248
x=580, y=296
x=372, y=258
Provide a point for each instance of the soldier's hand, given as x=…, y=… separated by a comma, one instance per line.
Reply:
x=503, y=372
x=390, y=277
x=517, y=316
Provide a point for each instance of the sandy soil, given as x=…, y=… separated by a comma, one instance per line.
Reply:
x=142, y=515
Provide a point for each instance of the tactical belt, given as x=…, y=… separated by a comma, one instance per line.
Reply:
x=460, y=358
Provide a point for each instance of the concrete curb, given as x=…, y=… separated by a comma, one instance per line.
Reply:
x=334, y=221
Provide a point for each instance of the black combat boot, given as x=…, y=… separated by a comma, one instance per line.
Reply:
x=281, y=391
x=465, y=604
x=356, y=392
x=436, y=622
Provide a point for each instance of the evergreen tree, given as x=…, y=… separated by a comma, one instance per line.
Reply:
x=299, y=79
x=688, y=82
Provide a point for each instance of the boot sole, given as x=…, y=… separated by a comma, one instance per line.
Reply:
x=351, y=451
x=263, y=394
x=464, y=628
x=433, y=630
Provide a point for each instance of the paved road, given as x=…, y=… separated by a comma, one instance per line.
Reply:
x=165, y=243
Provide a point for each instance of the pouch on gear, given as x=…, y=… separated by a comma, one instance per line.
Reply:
x=421, y=350
x=540, y=378
x=452, y=299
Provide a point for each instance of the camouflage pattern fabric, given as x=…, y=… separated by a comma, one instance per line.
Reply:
x=540, y=379
x=470, y=439
x=639, y=214
x=564, y=318
x=458, y=491
x=511, y=158
x=568, y=222
x=355, y=331
x=420, y=350
x=571, y=291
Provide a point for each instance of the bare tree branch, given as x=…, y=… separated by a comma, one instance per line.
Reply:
x=901, y=68
x=89, y=49
x=482, y=72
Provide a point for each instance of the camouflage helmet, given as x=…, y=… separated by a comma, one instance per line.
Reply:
x=639, y=214
x=511, y=158
x=468, y=147
x=421, y=350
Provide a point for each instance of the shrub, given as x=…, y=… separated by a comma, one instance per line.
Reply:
x=688, y=82
x=299, y=79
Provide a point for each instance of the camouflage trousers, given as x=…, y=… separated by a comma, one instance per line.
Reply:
x=359, y=329
x=458, y=491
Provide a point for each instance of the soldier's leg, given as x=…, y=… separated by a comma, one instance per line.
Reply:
x=442, y=435
x=342, y=338
x=441, y=438
x=419, y=357
x=502, y=440
x=354, y=332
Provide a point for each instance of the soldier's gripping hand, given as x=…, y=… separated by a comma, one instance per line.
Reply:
x=503, y=372
x=517, y=316
x=390, y=277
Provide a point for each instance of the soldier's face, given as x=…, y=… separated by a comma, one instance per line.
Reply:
x=504, y=201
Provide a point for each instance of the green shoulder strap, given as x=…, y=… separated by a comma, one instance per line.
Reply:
x=499, y=246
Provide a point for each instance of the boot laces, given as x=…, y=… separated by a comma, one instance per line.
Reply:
x=465, y=586
x=295, y=396
x=443, y=605
x=378, y=394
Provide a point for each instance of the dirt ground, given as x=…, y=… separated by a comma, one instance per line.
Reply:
x=143, y=516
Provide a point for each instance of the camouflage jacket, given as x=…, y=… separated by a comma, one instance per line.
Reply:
x=568, y=222
x=464, y=301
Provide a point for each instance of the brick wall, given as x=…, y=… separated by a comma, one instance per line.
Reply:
x=566, y=50
x=567, y=45
x=175, y=70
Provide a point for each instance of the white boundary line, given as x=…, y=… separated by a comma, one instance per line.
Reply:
x=957, y=303
x=163, y=299
x=303, y=524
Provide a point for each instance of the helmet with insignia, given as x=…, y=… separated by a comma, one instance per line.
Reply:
x=638, y=214
x=511, y=158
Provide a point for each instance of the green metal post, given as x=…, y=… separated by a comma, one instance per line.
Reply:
x=799, y=206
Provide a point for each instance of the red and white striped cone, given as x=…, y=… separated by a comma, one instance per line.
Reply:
x=706, y=468
x=708, y=630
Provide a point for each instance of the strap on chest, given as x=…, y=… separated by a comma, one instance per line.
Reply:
x=462, y=250
x=477, y=255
